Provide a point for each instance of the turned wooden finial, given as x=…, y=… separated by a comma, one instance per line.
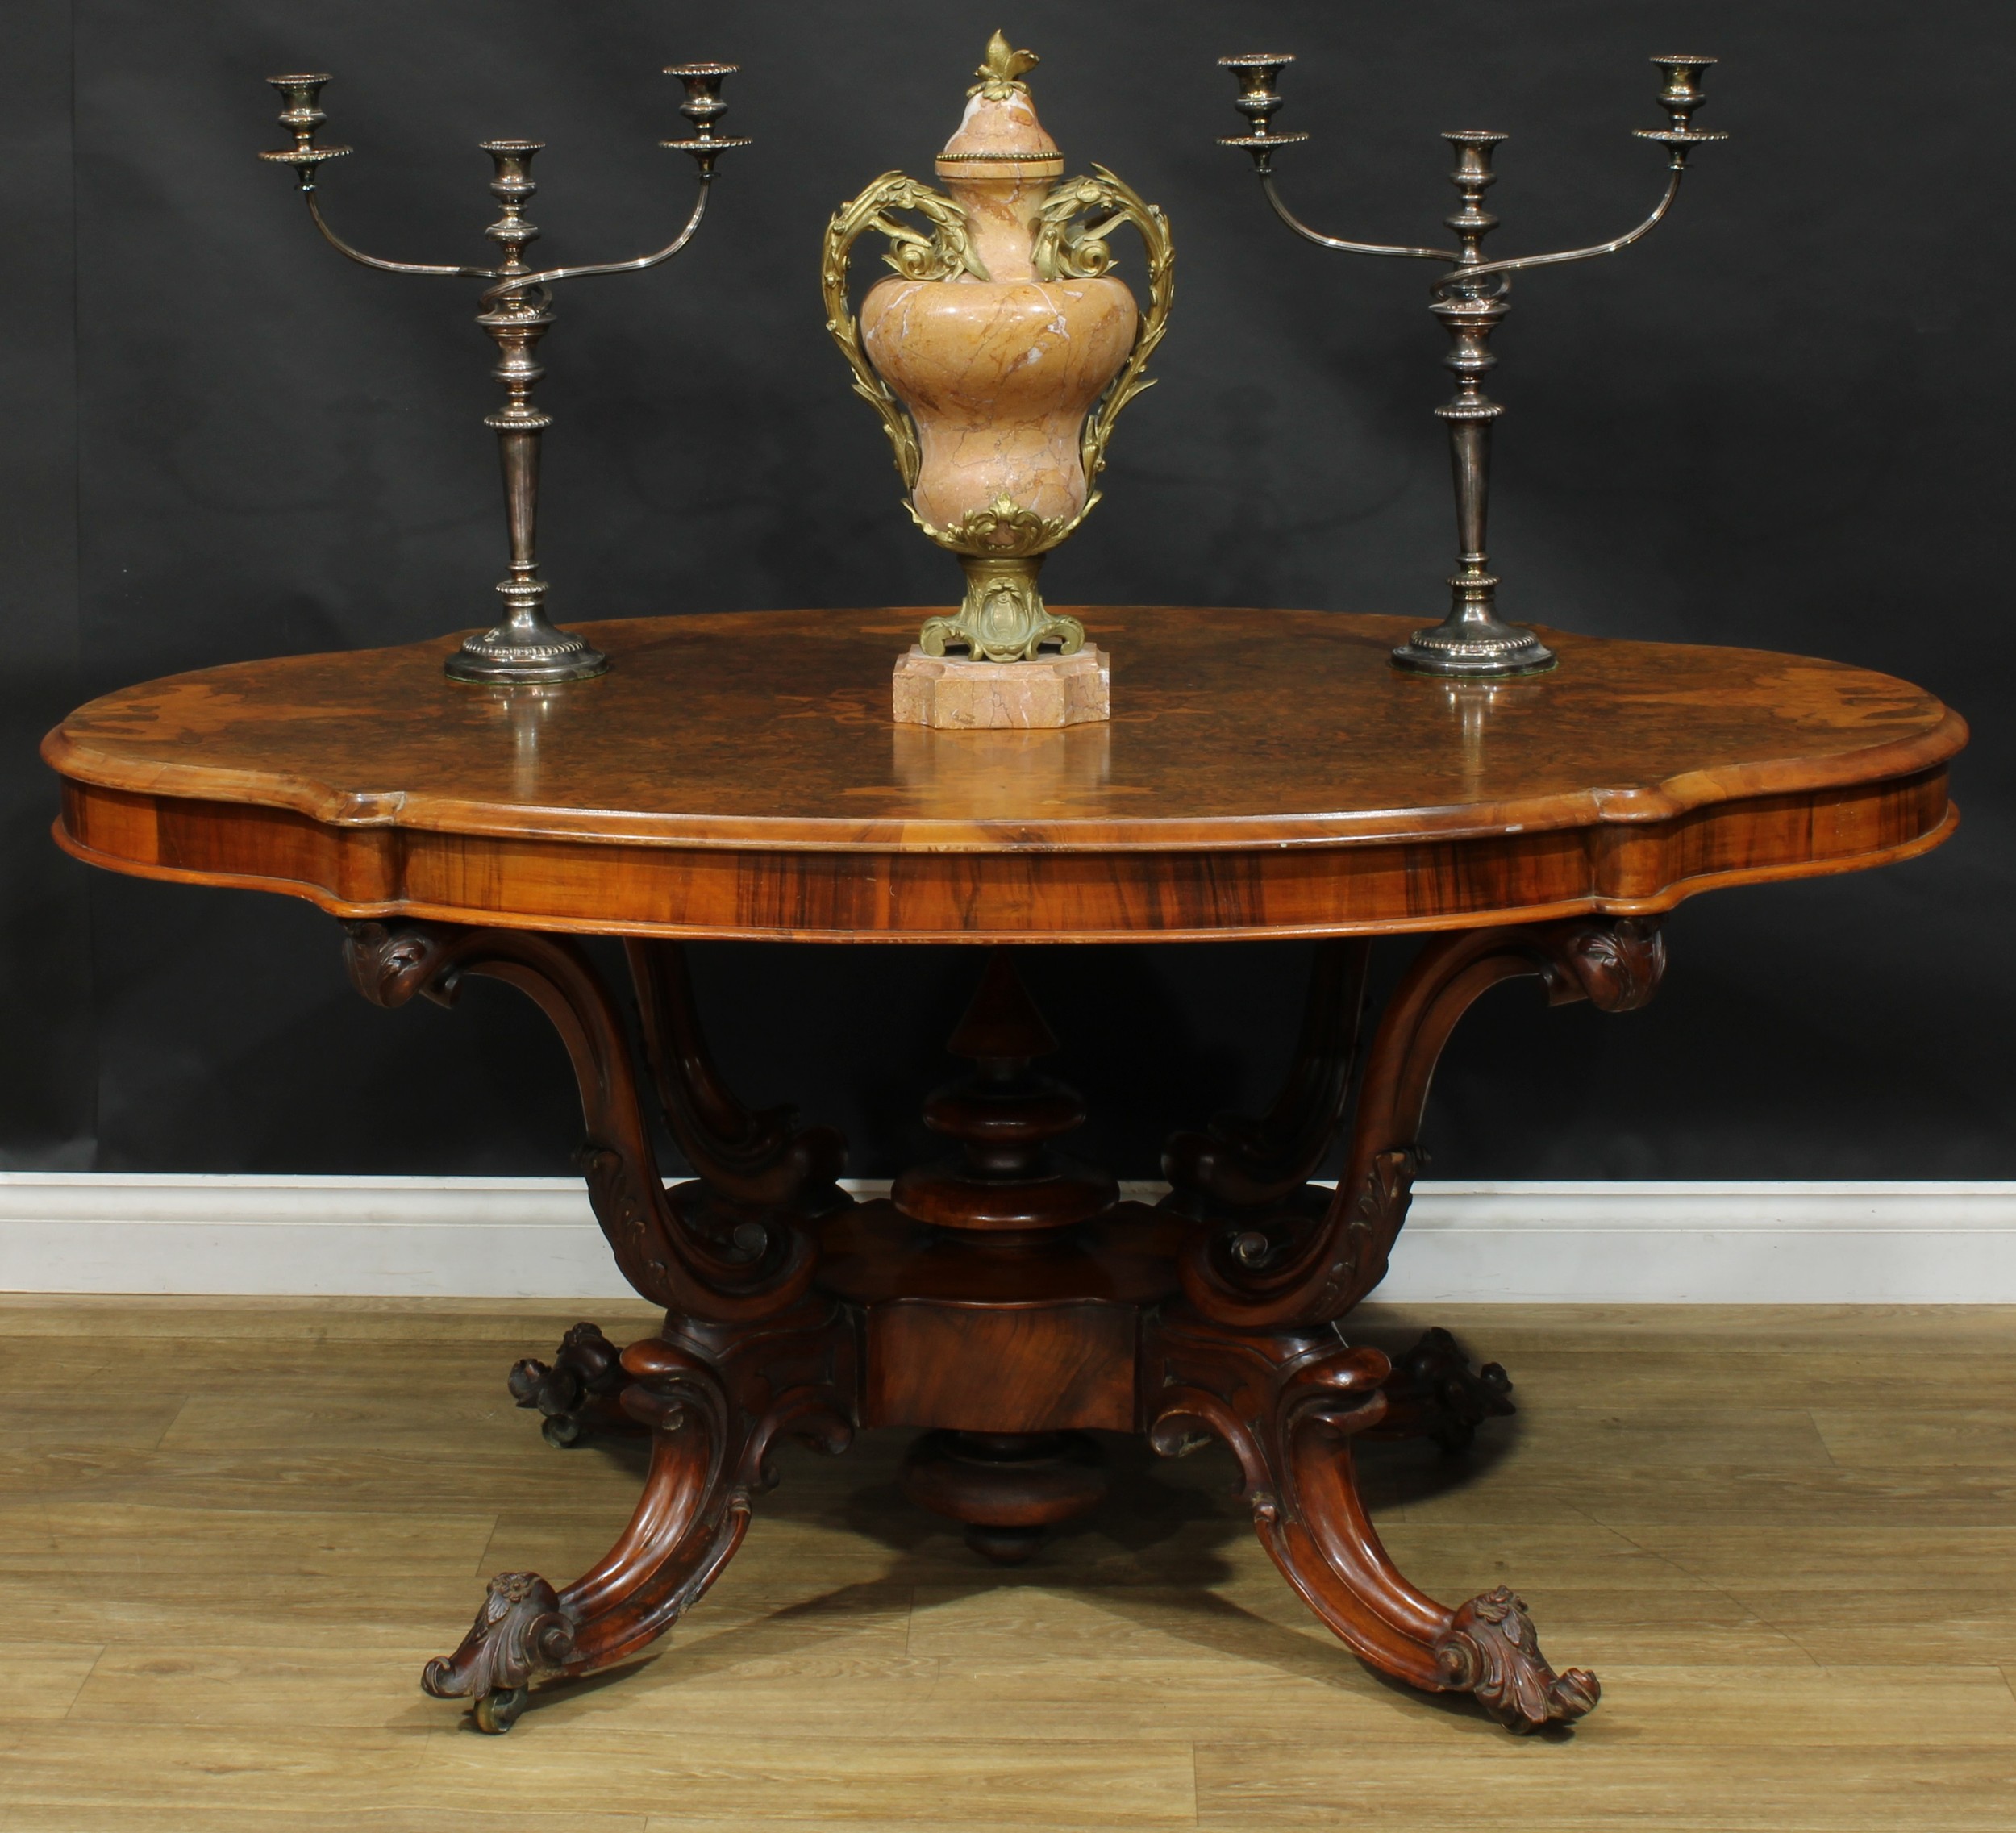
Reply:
x=1001, y=1023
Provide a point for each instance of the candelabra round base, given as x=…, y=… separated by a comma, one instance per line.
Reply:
x=556, y=656
x=1474, y=648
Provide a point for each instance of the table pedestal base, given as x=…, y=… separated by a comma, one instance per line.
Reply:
x=1008, y=1488
x=1006, y=1302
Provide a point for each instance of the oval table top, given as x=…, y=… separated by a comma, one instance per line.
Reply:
x=1264, y=774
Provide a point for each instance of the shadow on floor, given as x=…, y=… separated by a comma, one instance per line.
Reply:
x=1150, y=1553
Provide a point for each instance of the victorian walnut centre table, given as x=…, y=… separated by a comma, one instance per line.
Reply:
x=1265, y=774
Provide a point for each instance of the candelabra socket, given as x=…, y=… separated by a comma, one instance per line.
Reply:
x=513, y=160
x=1258, y=72
x=302, y=116
x=1683, y=93
x=1473, y=177
x=704, y=108
x=513, y=187
x=1680, y=95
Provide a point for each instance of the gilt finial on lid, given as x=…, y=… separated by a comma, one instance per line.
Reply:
x=999, y=137
x=1001, y=71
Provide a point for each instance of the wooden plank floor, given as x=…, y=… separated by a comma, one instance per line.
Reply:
x=231, y=1531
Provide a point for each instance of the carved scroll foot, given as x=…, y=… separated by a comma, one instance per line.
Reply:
x=715, y=1398
x=582, y=1386
x=1433, y=1393
x=1490, y=1650
x=519, y=1633
x=1288, y=1405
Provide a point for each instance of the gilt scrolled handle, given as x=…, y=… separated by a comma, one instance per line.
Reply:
x=948, y=250
x=1066, y=249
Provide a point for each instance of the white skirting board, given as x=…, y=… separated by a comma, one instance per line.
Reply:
x=535, y=1237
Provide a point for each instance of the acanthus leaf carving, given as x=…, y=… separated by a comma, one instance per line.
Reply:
x=519, y=1633
x=1003, y=528
x=1377, y=1215
x=1618, y=964
x=390, y=963
x=1066, y=249
x=948, y=250
x=1490, y=1650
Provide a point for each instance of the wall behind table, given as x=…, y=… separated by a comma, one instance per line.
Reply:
x=1772, y=424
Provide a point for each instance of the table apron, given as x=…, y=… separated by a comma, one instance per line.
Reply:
x=1007, y=895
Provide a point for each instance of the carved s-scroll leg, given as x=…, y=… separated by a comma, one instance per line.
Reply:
x=761, y=1266
x=714, y=1399
x=756, y=1161
x=1239, y=1164
x=1261, y=1363
x=749, y=1166
x=1288, y=1405
x=1276, y=1277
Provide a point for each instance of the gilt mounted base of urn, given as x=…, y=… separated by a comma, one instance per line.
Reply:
x=998, y=357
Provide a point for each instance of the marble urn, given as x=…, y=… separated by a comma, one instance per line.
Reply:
x=997, y=355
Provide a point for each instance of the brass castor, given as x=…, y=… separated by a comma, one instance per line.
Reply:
x=497, y=1712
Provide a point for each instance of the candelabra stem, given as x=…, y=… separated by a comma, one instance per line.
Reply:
x=1472, y=639
x=523, y=645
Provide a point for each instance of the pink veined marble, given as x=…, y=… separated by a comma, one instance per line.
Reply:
x=953, y=695
x=999, y=373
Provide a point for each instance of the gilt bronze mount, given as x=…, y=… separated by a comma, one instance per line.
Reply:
x=1469, y=301
x=516, y=310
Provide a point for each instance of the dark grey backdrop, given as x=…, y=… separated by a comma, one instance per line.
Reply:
x=1780, y=422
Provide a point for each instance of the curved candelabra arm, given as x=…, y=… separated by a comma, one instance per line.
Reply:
x=1566, y=255
x=1066, y=249
x=1681, y=95
x=948, y=250
x=1337, y=242
x=303, y=115
x=548, y=276
x=1257, y=72
x=363, y=259
x=703, y=106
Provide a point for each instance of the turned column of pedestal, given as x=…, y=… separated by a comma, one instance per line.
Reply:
x=1005, y=1193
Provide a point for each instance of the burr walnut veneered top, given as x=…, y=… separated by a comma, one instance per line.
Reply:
x=1268, y=774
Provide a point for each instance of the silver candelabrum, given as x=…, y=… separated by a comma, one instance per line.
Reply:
x=515, y=310
x=1469, y=301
